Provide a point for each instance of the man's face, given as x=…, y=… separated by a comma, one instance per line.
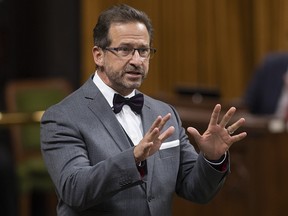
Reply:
x=124, y=74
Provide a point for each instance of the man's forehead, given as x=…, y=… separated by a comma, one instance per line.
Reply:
x=132, y=30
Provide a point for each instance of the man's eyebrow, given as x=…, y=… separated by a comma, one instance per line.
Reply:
x=133, y=45
x=125, y=44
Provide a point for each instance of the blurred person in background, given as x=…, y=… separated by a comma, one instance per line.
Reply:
x=267, y=92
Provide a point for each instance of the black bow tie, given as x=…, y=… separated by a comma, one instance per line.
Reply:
x=135, y=103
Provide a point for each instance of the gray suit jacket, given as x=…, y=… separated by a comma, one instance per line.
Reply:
x=91, y=162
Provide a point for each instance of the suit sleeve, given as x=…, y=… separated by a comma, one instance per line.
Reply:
x=197, y=181
x=78, y=183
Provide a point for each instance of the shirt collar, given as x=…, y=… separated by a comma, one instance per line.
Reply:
x=107, y=91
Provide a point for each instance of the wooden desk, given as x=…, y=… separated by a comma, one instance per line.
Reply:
x=258, y=183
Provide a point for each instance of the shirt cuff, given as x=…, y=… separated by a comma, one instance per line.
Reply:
x=142, y=168
x=217, y=162
x=220, y=164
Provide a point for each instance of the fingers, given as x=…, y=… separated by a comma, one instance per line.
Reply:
x=164, y=120
x=195, y=133
x=160, y=122
x=232, y=128
x=226, y=118
x=215, y=115
x=154, y=131
x=238, y=137
x=155, y=124
x=167, y=133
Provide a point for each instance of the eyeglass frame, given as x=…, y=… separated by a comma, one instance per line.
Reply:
x=132, y=50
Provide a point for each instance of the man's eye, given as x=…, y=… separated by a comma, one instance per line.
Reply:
x=125, y=49
x=144, y=50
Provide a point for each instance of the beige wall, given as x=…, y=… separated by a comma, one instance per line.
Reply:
x=203, y=43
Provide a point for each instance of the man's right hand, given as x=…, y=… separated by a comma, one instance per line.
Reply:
x=153, y=139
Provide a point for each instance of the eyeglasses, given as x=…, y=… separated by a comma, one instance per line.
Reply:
x=128, y=52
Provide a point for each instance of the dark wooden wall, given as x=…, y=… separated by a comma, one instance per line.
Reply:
x=207, y=43
x=39, y=38
x=201, y=43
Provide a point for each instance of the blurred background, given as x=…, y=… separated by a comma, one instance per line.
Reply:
x=208, y=52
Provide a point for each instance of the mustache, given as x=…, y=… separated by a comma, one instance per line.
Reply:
x=134, y=68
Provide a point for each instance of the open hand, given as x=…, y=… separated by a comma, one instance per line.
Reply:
x=153, y=139
x=217, y=139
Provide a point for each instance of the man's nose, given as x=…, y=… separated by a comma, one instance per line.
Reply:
x=136, y=57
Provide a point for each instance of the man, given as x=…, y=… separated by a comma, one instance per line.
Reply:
x=105, y=160
x=266, y=94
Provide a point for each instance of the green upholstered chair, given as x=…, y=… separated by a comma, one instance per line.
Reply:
x=29, y=96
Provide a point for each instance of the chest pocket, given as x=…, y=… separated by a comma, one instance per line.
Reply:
x=169, y=149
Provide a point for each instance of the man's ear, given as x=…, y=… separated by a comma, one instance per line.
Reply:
x=98, y=55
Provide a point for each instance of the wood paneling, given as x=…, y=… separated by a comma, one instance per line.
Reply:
x=202, y=43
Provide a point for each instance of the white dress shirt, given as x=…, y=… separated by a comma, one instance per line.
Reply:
x=282, y=107
x=130, y=121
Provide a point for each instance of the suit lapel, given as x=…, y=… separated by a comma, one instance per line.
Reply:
x=100, y=107
x=148, y=118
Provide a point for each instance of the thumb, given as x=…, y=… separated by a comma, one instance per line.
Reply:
x=195, y=133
